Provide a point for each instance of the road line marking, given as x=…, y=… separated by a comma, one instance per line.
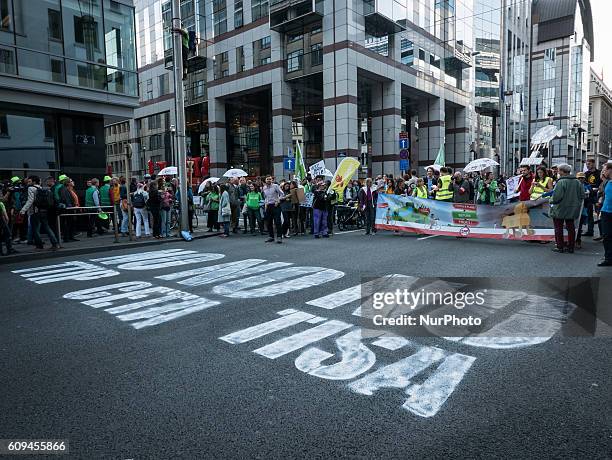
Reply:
x=427, y=237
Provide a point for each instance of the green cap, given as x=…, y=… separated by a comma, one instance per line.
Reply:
x=106, y=179
x=103, y=215
x=15, y=179
x=62, y=177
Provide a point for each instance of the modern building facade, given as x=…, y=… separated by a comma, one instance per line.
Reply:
x=599, y=144
x=65, y=66
x=561, y=53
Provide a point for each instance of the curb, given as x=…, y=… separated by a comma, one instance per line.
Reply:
x=27, y=257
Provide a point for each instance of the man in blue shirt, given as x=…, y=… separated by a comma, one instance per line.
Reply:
x=606, y=216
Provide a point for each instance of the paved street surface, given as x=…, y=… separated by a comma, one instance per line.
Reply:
x=257, y=356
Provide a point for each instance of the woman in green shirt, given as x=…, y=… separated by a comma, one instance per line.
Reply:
x=213, y=208
x=487, y=190
x=253, y=200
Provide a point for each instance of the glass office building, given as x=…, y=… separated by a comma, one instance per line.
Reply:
x=64, y=66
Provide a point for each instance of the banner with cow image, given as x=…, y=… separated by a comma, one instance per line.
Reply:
x=528, y=220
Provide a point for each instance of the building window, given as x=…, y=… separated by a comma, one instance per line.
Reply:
x=83, y=29
x=57, y=70
x=5, y=15
x=549, y=64
x=422, y=55
x=7, y=61
x=198, y=90
x=259, y=9
x=3, y=126
x=548, y=101
x=220, y=21
x=265, y=43
x=55, y=24
x=224, y=57
x=240, y=59
x=294, y=60
x=149, y=89
x=265, y=60
x=238, y=15
x=164, y=84
x=316, y=56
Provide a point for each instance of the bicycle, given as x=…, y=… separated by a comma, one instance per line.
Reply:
x=175, y=218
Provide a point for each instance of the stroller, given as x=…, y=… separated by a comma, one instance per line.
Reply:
x=349, y=216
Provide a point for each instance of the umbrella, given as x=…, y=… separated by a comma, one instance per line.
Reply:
x=480, y=164
x=168, y=171
x=235, y=173
x=203, y=184
x=434, y=166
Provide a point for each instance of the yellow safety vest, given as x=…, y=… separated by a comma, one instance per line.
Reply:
x=539, y=188
x=443, y=193
x=421, y=192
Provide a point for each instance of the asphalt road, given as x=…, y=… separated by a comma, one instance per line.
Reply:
x=116, y=386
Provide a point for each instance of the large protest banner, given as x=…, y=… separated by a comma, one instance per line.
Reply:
x=528, y=220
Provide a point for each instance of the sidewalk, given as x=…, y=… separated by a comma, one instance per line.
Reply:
x=87, y=245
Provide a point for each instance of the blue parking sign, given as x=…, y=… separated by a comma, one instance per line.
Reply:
x=289, y=163
x=404, y=165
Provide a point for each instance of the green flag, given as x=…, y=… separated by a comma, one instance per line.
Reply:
x=440, y=158
x=300, y=168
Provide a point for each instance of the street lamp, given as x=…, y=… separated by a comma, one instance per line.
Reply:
x=172, y=135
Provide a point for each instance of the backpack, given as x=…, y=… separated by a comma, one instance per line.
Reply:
x=43, y=199
x=139, y=200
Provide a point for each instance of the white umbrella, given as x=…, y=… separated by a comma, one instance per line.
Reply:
x=168, y=171
x=434, y=166
x=203, y=184
x=235, y=173
x=479, y=165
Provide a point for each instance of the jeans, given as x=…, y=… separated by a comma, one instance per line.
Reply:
x=226, y=228
x=165, y=222
x=320, y=222
x=288, y=218
x=212, y=221
x=39, y=220
x=370, y=219
x=142, y=215
x=254, y=215
x=591, y=220
x=606, y=227
x=124, y=221
x=571, y=230
x=273, y=218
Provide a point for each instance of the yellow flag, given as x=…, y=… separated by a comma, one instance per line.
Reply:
x=342, y=177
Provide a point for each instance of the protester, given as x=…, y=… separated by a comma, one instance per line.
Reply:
x=593, y=180
x=139, y=202
x=190, y=207
x=488, y=190
x=287, y=210
x=320, y=205
x=38, y=203
x=367, y=203
x=253, y=199
x=272, y=197
x=92, y=201
x=154, y=205
x=444, y=187
x=566, y=202
x=605, y=216
x=542, y=184
x=212, y=199
x=460, y=187
x=584, y=215
x=420, y=191
x=123, y=196
x=225, y=209
x=166, y=201
x=524, y=185
x=5, y=231
x=234, y=195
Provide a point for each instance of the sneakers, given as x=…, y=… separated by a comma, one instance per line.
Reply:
x=605, y=263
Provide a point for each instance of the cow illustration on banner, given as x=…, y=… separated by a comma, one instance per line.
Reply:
x=528, y=220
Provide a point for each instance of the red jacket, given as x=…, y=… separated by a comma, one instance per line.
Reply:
x=524, y=187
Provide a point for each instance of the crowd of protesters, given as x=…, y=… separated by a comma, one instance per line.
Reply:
x=286, y=208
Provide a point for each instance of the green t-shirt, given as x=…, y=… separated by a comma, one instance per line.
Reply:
x=253, y=199
x=213, y=199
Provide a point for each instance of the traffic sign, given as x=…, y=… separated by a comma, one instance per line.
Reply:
x=404, y=154
x=289, y=163
x=403, y=143
x=404, y=165
x=403, y=135
x=290, y=153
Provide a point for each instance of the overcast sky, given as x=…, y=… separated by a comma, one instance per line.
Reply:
x=602, y=23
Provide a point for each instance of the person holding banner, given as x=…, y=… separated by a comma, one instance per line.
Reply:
x=444, y=186
x=420, y=191
x=524, y=185
x=542, y=184
x=566, y=202
x=487, y=190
